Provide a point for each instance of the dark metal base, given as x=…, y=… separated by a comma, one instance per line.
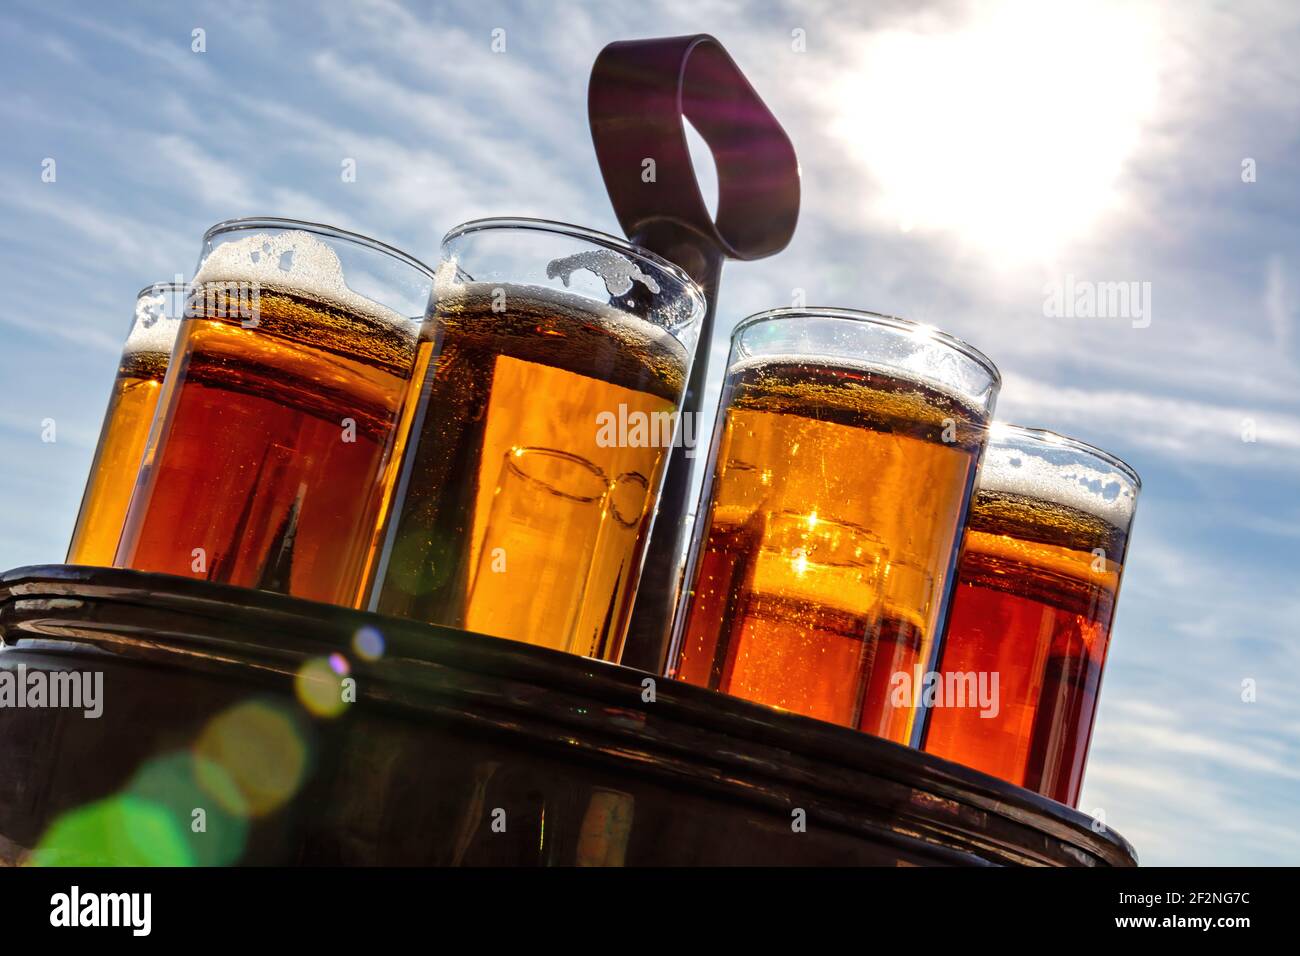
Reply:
x=459, y=749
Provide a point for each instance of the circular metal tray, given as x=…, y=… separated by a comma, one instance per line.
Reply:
x=458, y=749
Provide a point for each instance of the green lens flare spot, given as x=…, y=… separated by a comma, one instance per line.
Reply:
x=199, y=796
x=119, y=831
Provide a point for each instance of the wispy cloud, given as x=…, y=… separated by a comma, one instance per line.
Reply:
x=1279, y=301
x=198, y=173
x=104, y=233
x=148, y=44
x=1184, y=429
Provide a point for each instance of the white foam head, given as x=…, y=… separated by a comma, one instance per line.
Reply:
x=157, y=320
x=295, y=262
x=1050, y=468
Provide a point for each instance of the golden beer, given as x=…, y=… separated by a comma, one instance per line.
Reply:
x=538, y=447
x=830, y=520
x=127, y=421
x=1034, y=603
x=277, y=439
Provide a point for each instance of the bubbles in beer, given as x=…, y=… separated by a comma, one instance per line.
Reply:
x=833, y=509
x=1036, y=591
x=292, y=285
x=515, y=366
x=857, y=393
x=553, y=328
x=251, y=463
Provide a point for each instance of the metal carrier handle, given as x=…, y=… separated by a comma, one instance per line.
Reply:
x=639, y=93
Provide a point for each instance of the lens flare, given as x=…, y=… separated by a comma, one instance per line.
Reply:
x=368, y=644
x=215, y=836
x=252, y=758
x=320, y=686
x=119, y=831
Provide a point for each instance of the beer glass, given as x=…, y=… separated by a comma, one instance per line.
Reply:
x=1034, y=602
x=548, y=336
x=279, y=428
x=840, y=471
x=131, y=406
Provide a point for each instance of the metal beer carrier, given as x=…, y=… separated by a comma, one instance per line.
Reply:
x=448, y=731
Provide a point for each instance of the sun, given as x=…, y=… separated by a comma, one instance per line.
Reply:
x=1011, y=133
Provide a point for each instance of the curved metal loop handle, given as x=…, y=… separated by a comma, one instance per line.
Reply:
x=639, y=93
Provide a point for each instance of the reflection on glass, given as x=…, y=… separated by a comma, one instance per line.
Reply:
x=543, y=525
x=610, y=584
x=540, y=335
x=897, y=657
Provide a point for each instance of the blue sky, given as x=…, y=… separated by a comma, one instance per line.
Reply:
x=958, y=159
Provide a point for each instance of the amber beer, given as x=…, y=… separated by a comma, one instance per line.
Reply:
x=277, y=438
x=840, y=472
x=131, y=407
x=1034, y=603
x=523, y=511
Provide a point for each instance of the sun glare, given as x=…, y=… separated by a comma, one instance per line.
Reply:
x=1010, y=133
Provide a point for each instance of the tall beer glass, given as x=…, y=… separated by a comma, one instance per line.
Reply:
x=1034, y=603
x=279, y=426
x=840, y=472
x=540, y=336
x=131, y=406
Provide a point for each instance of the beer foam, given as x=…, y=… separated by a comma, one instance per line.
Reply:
x=296, y=263
x=157, y=322
x=1091, y=487
x=905, y=376
x=624, y=326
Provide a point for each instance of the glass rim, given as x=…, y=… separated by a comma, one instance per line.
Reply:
x=153, y=287
x=594, y=236
x=1049, y=438
x=316, y=228
x=880, y=319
